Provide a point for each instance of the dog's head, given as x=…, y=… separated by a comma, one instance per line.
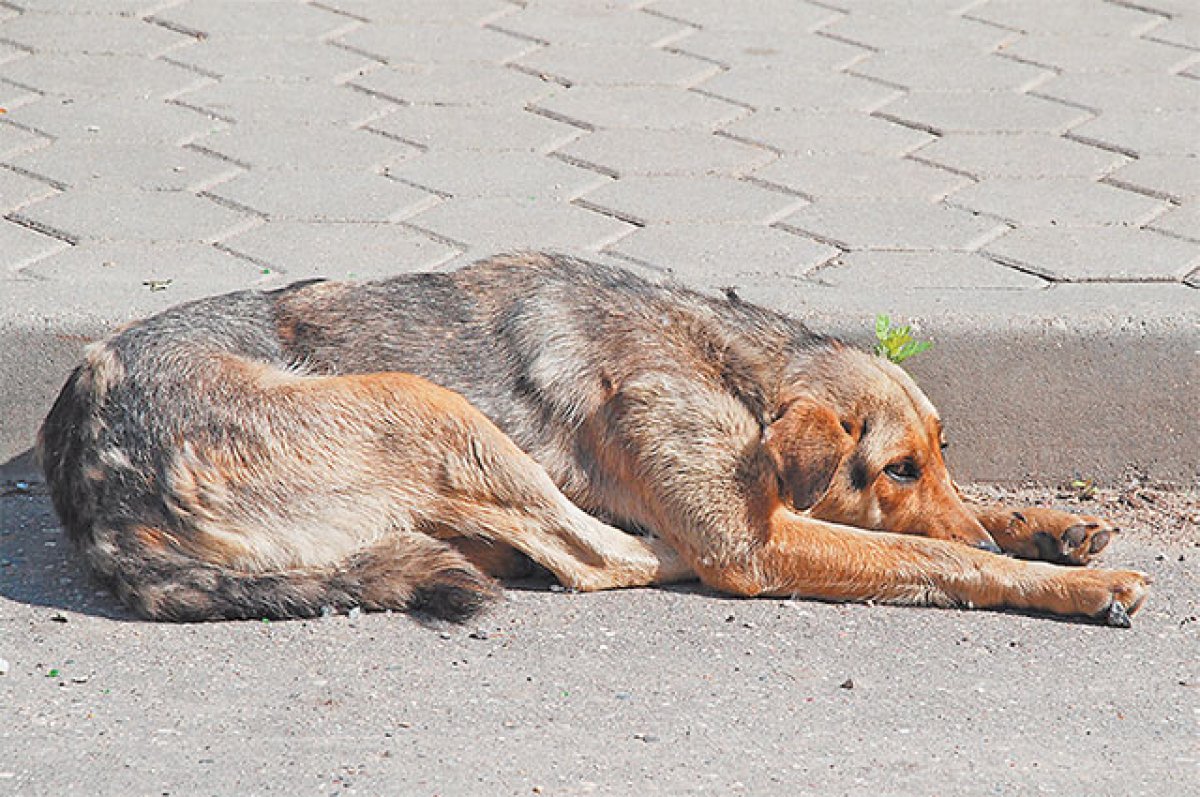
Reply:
x=855, y=441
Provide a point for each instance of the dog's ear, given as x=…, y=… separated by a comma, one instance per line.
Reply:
x=806, y=442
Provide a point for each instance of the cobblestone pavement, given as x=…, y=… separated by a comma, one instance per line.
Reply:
x=998, y=159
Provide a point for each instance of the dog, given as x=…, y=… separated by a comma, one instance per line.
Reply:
x=405, y=444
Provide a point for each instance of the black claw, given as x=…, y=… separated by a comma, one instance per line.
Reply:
x=1117, y=616
x=1074, y=535
x=1099, y=541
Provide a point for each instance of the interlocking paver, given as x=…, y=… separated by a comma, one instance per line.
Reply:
x=90, y=8
x=313, y=196
x=503, y=223
x=261, y=18
x=1097, y=253
x=876, y=28
x=651, y=107
x=511, y=174
x=14, y=141
x=297, y=250
x=958, y=68
x=923, y=270
x=1183, y=221
x=724, y=254
x=1184, y=32
x=1171, y=177
x=87, y=164
x=102, y=35
x=97, y=214
x=475, y=11
x=1056, y=200
x=13, y=96
x=777, y=47
x=1128, y=92
x=22, y=246
x=1144, y=133
x=1073, y=17
x=645, y=200
x=752, y=15
x=17, y=190
x=269, y=102
x=454, y=84
x=617, y=65
x=779, y=89
x=628, y=152
x=434, y=42
x=892, y=224
x=480, y=129
x=983, y=112
x=315, y=148
x=79, y=76
x=829, y=131
x=1019, y=155
x=1076, y=53
x=595, y=23
x=851, y=174
x=272, y=59
x=149, y=121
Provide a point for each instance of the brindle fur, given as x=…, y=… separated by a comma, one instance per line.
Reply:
x=396, y=444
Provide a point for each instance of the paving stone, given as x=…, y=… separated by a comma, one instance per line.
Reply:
x=1159, y=133
x=506, y=223
x=10, y=52
x=982, y=112
x=916, y=31
x=622, y=153
x=1128, y=92
x=892, y=224
x=272, y=59
x=389, y=11
x=647, y=107
x=300, y=250
x=922, y=270
x=851, y=174
x=432, y=42
x=765, y=87
x=14, y=141
x=118, y=166
x=99, y=214
x=1176, y=178
x=1183, y=222
x=17, y=190
x=313, y=196
x=455, y=84
x=149, y=121
x=1019, y=155
x=13, y=97
x=479, y=129
x=268, y=102
x=721, y=255
x=780, y=48
x=617, y=65
x=87, y=77
x=20, y=246
x=1089, y=254
x=511, y=174
x=264, y=146
x=950, y=69
x=1056, y=200
x=87, y=8
x=1074, y=17
x=827, y=131
x=591, y=24
x=652, y=200
x=1105, y=54
x=261, y=18
x=752, y=15
x=102, y=35
x=1183, y=32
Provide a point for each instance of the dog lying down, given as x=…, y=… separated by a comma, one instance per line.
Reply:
x=404, y=443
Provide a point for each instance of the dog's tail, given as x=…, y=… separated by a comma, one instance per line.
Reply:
x=409, y=572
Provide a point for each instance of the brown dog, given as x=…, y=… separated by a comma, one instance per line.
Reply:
x=393, y=444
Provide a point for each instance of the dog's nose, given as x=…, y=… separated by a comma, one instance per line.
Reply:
x=989, y=546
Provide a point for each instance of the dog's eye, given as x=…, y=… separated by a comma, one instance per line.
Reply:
x=904, y=472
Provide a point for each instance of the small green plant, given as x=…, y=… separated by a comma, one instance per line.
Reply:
x=896, y=342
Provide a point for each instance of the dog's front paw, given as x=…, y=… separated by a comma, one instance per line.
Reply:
x=1050, y=535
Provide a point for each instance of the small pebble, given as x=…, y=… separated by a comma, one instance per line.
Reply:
x=847, y=684
x=327, y=611
x=3, y=666
x=354, y=613
x=478, y=633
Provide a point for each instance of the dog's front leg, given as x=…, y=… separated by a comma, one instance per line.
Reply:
x=804, y=557
x=1047, y=534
